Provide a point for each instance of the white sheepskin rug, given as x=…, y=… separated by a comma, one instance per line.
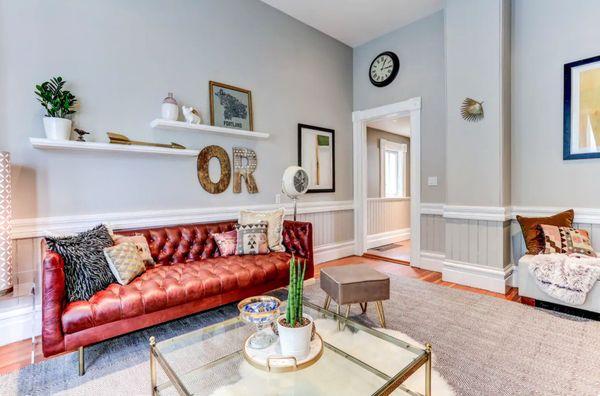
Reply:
x=334, y=374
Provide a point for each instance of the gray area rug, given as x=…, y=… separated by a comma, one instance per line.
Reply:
x=483, y=346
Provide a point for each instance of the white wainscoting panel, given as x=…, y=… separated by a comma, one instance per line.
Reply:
x=387, y=214
x=433, y=233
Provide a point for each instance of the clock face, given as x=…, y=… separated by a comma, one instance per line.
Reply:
x=384, y=69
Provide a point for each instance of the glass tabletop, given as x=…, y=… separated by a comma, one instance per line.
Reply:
x=356, y=360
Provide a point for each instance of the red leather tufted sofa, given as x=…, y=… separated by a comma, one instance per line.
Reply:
x=189, y=277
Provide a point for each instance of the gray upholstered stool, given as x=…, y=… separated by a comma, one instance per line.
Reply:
x=352, y=284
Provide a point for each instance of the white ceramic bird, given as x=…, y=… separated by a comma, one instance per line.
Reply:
x=191, y=115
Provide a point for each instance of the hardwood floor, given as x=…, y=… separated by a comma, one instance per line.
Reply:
x=18, y=354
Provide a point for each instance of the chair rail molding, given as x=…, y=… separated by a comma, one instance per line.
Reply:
x=432, y=208
x=40, y=226
x=490, y=213
x=582, y=215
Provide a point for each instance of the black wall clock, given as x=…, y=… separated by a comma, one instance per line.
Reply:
x=384, y=69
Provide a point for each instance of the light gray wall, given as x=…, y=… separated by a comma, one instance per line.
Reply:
x=374, y=163
x=474, y=68
x=420, y=47
x=121, y=58
x=546, y=35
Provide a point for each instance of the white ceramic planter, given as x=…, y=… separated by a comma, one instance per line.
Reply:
x=295, y=341
x=57, y=128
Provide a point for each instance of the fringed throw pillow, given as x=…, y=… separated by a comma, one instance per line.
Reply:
x=566, y=240
x=86, y=269
x=274, y=219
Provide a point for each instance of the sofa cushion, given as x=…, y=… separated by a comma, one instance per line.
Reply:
x=170, y=285
x=86, y=269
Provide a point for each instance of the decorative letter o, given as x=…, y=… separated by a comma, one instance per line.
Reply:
x=204, y=178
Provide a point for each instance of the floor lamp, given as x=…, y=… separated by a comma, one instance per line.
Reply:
x=6, y=280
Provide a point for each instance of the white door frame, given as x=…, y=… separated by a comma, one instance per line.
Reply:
x=360, y=118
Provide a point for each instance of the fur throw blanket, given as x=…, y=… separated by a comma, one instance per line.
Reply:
x=566, y=277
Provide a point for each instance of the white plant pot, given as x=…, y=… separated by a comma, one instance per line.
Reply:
x=57, y=128
x=295, y=341
x=170, y=111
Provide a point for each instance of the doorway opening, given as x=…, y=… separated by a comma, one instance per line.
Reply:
x=388, y=189
x=386, y=148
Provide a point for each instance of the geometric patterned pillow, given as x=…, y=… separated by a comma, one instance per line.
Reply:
x=252, y=238
x=140, y=242
x=274, y=219
x=566, y=240
x=227, y=242
x=125, y=262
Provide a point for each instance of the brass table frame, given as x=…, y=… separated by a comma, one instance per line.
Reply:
x=392, y=383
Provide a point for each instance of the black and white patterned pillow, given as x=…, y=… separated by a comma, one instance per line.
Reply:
x=86, y=269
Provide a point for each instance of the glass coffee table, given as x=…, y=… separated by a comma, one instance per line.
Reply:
x=356, y=360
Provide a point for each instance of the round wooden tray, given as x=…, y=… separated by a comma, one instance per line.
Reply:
x=271, y=360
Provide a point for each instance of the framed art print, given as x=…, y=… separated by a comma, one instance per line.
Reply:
x=316, y=154
x=581, y=122
x=230, y=107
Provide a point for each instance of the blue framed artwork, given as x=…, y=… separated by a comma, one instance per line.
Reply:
x=581, y=122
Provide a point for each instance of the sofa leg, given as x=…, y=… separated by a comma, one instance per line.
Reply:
x=81, y=361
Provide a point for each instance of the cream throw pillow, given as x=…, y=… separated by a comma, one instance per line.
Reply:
x=124, y=262
x=140, y=242
x=274, y=219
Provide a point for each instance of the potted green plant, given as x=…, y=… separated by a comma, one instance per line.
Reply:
x=295, y=327
x=58, y=103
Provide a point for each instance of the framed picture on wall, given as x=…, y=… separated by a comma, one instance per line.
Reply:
x=230, y=107
x=581, y=122
x=316, y=154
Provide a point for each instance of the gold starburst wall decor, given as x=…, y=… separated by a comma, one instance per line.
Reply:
x=471, y=110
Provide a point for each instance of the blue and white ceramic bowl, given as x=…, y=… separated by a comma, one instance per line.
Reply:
x=259, y=310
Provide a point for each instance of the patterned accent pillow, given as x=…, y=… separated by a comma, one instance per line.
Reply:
x=124, y=261
x=274, y=218
x=227, y=242
x=252, y=238
x=140, y=242
x=566, y=240
x=86, y=269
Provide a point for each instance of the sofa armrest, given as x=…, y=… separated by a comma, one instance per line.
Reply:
x=53, y=303
x=298, y=240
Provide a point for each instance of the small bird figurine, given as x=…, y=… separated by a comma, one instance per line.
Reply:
x=191, y=115
x=81, y=134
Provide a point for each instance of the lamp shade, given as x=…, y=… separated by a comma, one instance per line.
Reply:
x=6, y=280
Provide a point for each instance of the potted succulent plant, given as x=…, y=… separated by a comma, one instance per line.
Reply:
x=295, y=327
x=59, y=106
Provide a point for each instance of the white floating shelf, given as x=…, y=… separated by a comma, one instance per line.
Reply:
x=180, y=125
x=48, y=144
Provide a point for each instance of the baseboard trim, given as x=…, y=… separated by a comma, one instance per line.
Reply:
x=385, y=238
x=15, y=324
x=431, y=261
x=333, y=251
x=496, y=280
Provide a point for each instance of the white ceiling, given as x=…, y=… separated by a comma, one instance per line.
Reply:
x=399, y=126
x=354, y=22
